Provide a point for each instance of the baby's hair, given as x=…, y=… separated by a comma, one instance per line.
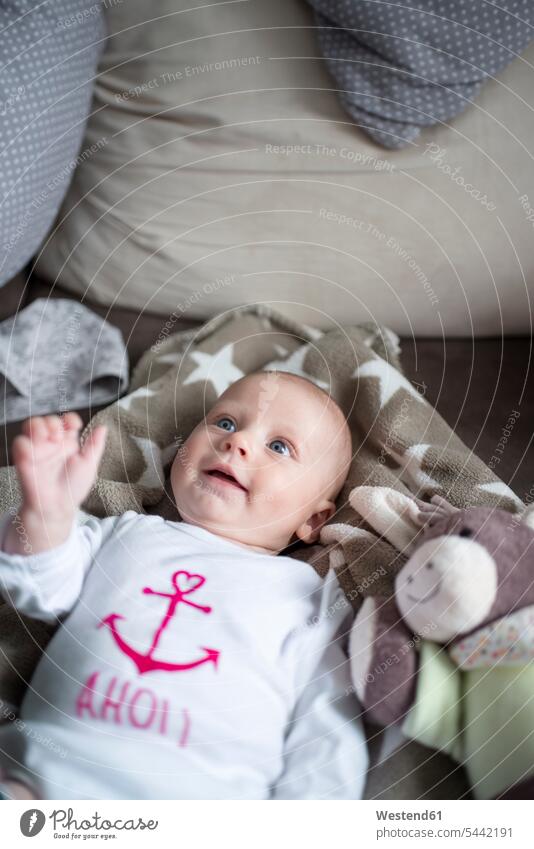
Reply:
x=308, y=380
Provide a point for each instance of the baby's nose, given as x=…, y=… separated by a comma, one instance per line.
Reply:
x=235, y=441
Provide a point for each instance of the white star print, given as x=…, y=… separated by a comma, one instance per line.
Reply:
x=294, y=364
x=218, y=369
x=500, y=488
x=280, y=350
x=169, y=358
x=390, y=335
x=390, y=379
x=168, y=454
x=411, y=472
x=153, y=476
x=314, y=332
x=142, y=392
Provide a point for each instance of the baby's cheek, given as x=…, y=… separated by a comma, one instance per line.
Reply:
x=181, y=471
x=282, y=500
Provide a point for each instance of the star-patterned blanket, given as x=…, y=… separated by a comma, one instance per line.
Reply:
x=399, y=442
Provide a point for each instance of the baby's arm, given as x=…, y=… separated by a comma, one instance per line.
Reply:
x=43, y=554
x=325, y=753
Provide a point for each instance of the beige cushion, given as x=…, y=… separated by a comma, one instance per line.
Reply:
x=186, y=203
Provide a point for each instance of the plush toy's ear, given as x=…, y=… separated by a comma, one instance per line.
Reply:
x=527, y=516
x=392, y=514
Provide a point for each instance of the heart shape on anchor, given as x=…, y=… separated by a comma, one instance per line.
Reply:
x=185, y=582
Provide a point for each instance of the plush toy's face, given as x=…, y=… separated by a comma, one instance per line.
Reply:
x=447, y=587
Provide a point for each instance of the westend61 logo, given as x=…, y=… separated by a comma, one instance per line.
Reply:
x=65, y=825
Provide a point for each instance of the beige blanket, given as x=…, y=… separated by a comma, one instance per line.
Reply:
x=399, y=441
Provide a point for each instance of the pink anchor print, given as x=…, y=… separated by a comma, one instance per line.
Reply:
x=184, y=584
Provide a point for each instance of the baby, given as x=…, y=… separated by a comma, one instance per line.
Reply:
x=194, y=660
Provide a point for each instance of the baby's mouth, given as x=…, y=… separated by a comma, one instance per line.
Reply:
x=226, y=477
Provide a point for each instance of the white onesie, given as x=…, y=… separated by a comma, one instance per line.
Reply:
x=185, y=667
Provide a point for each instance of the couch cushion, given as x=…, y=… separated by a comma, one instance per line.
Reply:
x=231, y=174
x=49, y=56
x=400, y=68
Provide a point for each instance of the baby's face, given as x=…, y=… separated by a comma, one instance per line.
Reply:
x=284, y=448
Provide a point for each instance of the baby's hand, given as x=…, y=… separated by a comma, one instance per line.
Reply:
x=55, y=474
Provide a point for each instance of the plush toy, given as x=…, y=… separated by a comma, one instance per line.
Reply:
x=450, y=656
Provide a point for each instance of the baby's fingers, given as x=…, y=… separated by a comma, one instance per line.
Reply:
x=81, y=468
x=21, y=448
x=55, y=429
x=93, y=447
x=35, y=428
x=51, y=430
x=71, y=421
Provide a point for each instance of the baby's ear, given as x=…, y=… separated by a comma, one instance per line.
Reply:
x=310, y=529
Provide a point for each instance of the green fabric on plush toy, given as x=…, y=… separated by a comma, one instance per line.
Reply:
x=450, y=657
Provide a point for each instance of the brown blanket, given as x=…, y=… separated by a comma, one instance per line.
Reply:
x=399, y=441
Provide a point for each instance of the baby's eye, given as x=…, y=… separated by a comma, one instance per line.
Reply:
x=226, y=421
x=282, y=443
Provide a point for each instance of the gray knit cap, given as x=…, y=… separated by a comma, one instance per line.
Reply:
x=58, y=355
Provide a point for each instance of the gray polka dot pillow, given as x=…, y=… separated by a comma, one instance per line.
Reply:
x=49, y=56
x=400, y=67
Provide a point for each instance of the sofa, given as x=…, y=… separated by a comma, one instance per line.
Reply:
x=218, y=151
